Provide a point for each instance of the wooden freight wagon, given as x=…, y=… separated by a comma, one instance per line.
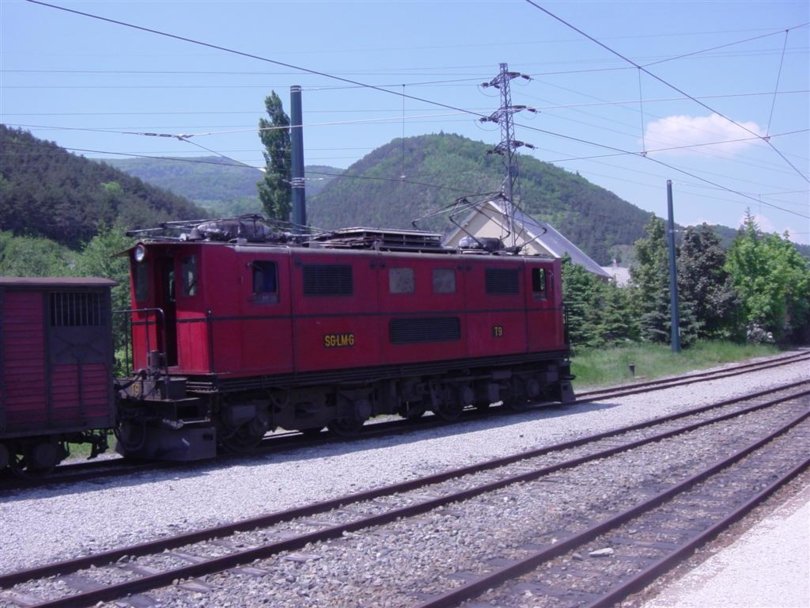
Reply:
x=56, y=377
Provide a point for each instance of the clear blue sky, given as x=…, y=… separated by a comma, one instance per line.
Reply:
x=739, y=73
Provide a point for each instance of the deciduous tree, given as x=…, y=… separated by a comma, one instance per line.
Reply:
x=275, y=190
x=772, y=280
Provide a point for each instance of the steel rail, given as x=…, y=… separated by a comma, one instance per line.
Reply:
x=502, y=575
x=707, y=376
x=106, y=557
x=652, y=572
x=246, y=556
x=72, y=473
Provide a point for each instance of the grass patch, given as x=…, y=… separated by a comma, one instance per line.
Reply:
x=81, y=451
x=606, y=366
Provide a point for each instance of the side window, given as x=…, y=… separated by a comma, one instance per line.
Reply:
x=444, y=280
x=189, y=271
x=400, y=280
x=265, y=281
x=539, y=283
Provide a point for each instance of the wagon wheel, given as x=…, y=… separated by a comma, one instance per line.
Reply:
x=241, y=440
x=16, y=464
x=19, y=468
x=346, y=427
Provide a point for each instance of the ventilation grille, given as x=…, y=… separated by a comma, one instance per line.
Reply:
x=503, y=281
x=328, y=280
x=435, y=329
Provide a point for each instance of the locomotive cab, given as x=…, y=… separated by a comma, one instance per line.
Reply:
x=158, y=418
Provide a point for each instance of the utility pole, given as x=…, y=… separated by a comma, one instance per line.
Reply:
x=675, y=317
x=299, y=207
x=508, y=144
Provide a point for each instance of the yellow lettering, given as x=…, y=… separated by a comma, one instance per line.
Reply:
x=338, y=340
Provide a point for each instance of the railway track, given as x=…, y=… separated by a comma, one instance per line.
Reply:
x=216, y=558
x=96, y=470
x=635, y=388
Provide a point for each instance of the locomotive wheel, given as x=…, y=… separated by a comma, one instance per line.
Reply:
x=517, y=404
x=242, y=440
x=522, y=394
x=346, y=427
x=312, y=432
x=412, y=411
x=416, y=414
x=449, y=411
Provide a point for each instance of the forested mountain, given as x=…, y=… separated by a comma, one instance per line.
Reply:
x=437, y=169
x=47, y=192
x=200, y=179
x=218, y=184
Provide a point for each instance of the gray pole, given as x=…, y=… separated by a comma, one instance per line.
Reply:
x=673, y=277
x=299, y=207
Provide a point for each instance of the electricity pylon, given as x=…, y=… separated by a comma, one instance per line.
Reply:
x=508, y=144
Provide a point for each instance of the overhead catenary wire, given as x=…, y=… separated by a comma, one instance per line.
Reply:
x=379, y=88
x=254, y=56
x=666, y=83
x=776, y=86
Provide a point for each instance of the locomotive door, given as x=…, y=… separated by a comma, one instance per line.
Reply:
x=165, y=300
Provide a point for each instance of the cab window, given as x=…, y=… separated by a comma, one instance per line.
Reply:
x=189, y=273
x=539, y=283
x=265, y=281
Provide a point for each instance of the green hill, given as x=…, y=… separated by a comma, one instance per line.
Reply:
x=47, y=192
x=437, y=169
x=221, y=186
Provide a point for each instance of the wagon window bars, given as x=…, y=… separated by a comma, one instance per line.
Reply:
x=76, y=309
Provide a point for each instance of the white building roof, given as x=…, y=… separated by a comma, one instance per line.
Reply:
x=537, y=237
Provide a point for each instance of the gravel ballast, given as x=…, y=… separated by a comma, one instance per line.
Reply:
x=62, y=522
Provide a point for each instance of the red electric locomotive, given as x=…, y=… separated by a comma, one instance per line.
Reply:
x=238, y=329
x=56, y=376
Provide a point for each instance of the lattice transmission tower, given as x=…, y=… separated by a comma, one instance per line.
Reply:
x=503, y=116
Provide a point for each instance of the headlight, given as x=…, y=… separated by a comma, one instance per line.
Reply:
x=140, y=252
